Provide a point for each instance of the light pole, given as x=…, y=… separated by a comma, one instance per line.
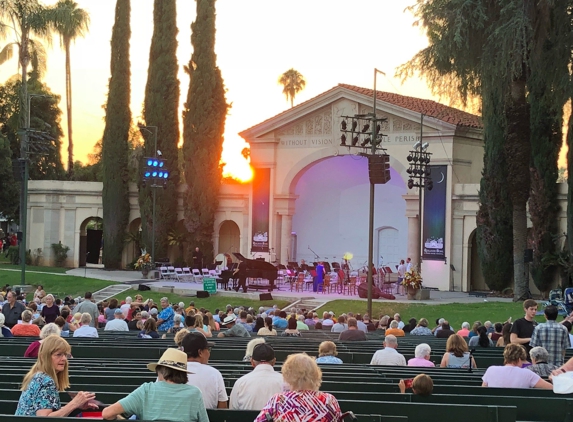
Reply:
x=420, y=177
x=24, y=156
x=378, y=164
x=153, y=186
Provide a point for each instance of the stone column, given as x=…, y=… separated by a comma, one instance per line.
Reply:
x=286, y=230
x=413, y=227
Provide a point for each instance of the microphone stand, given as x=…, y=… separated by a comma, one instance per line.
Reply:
x=470, y=369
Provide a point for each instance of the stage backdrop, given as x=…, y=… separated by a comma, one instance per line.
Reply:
x=434, y=228
x=261, y=204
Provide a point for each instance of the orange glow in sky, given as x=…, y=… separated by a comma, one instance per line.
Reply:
x=257, y=40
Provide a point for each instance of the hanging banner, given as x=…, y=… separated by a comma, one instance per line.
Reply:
x=434, y=227
x=261, y=210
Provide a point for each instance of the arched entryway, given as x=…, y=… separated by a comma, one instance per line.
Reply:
x=388, y=247
x=477, y=281
x=229, y=237
x=91, y=235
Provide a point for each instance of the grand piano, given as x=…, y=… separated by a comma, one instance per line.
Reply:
x=259, y=270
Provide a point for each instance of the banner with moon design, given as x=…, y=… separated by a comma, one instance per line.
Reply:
x=434, y=223
x=261, y=209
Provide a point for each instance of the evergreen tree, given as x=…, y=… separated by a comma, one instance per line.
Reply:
x=160, y=109
x=115, y=196
x=9, y=192
x=203, y=125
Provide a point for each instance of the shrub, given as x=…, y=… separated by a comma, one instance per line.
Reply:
x=60, y=253
x=14, y=255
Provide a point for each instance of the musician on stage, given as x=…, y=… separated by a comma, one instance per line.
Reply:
x=197, y=258
x=318, y=280
x=303, y=265
x=241, y=271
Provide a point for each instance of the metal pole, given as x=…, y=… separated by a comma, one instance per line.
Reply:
x=24, y=195
x=422, y=186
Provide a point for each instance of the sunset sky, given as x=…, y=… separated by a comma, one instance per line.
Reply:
x=328, y=41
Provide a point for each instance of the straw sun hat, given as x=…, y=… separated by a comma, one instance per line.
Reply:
x=171, y=358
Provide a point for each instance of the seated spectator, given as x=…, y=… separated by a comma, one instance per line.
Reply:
x=327, y=353
x=457, y=354
x=178, y=339
x=177, y=324
x=368, y=322
x=304, y=402
x=474, y=330
x=243, y=321
x=422, y=356
x=300, y=325
x=291, y=330
x=34, y=347
x=327, y=321
x=200, y=325
x=280, y=322
x=136, y=316
x=4, y=331
x=63, y=326
x=233, y=330
x=309, y=320
x=421, y=329
x=318, y=325
x=498, y=327
x=412, y=323
x=388, y=355
x=111, y=307
x=178, y=400
x=505, y=335
x=268, y=329
x=465, y=331
x=26, y=328
x=398, y=319
x=422, y=385
x=482, y=340
x=208, y=379
x=512, y=375
x=75, y=323
x=488, y=327
x=383, y=322
x=539, y=356
x=126, y=307
x=250, y=346
x=394, y=330
x=118, y=323
x=353, y=333
x=259, y=323
x=149, y=329
x=340, y=326
x=446, y=330
x=86, y=330
x=165, y=317
x=439, y=323
x=253, y=390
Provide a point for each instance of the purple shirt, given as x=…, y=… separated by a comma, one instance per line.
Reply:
x=420, y=362
x=510, y=377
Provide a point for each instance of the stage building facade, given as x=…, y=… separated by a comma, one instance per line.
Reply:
x=310, y=195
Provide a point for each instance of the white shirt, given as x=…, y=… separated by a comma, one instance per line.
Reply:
x=328, y=322
x=362, y=326
x=401, y=270
x=86, y=331
x=116, y=325
x=388, y=356
x=253, y=390
x=338, y=328
x=209, y=381
x=401, y=325
x=125, y=308
x=408, y=266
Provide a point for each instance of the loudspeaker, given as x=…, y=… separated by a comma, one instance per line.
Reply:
x=265, y=296
x=143, y=288
x=528, y=255
x=201, y=294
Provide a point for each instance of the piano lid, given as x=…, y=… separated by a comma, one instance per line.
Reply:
x=254, y=264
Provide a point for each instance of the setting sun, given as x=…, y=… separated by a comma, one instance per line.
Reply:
x=236, y=164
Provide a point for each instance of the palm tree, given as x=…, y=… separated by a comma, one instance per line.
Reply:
x=69, y=22
x=293, y=82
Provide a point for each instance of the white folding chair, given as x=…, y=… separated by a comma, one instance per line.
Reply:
x=213, y=273
x=205, y=272
x=171, y=272
x=187, y=275
x=164, y=272
x=197, y=277
x=179, y=274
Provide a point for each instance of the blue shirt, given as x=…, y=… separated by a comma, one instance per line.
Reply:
x=328, y=359
x=40, y=394
x=280, y=323
x=166, y=315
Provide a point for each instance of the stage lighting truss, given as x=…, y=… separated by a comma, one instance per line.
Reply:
x=419, y=171
x=357, y=132
x=155, y=171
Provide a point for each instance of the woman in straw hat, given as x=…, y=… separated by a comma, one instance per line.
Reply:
x=168, y=399
x=49, y=375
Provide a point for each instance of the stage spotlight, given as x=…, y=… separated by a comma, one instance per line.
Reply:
x=410, y=183
x=429, y=184
x=365, y=127
x=377, y=129
x=343, y=125
x=365, y=142
x=354, y=125
x=354, y=141
x=343, y=139
x=409, y=158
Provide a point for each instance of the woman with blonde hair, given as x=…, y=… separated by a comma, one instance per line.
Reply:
x=212, y=323
x=49, y=311
x=327, y=353
x=49, y=376
x=202, y=328
x=303, y=402
x=4, y=331
x=457, y=354
x=26, y=328
x=421, y=329
x=34, y=347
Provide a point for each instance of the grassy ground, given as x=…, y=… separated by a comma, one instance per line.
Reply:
x=5, y=264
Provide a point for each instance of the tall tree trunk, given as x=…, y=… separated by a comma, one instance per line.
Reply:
x=570, y=188
x=69, y=110
x=115, y=195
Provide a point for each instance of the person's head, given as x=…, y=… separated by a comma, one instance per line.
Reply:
x=327, y=348
x=394, y=324
x=198, y=321
x=11, y=297
x=136, y=315
x=487, y=325
x=263, y=353
x=292, y=323
x=567, y=325
x=397, y=317
x=341, y=319
x=144, y=314
x=243, y=314
x=391, y=342
x=197, y=347
x=402, y=262
x=408, y=260
x=551, y=313
x=179, y=336
x=65, y=312
x=352, y=323
x=48, y=330
x=325, y=315
x=60, y=322
x=530, y=308
x=251, y=345
x=445, y=325
x=190, y=321
x=164, y=302
x=53, y=361
x=423, y=322
x=49, y=299
x=118, y=313
x=150, y=325
x=483, y=338
x=177, y=320
x=128, y=300
x=250, y=319
x=260, y=323
x=456, y=345
x=282, y=314
x=113, y=303
x=439, y=321
x=40, y=287
x=506, y=332
x=514, y=354
x=197, y=249
x=318, y=326
x=465, y=325
x=301, y=372
x=26, y=316
x=422, y=385
x=269, y=323
x=423, y=351
x=538, y=355
x=384, y=321
x=172, y=367
x=85, y=319
x=498, y=327
x=33, y=307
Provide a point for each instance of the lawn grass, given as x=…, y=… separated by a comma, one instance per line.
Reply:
x=5, y=264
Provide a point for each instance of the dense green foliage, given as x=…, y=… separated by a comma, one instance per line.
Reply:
x=115, y=196
x=160, y=109
x=203, y=125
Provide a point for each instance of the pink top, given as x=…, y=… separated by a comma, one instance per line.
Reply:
x=510, y=377
x=420, y=362
x=464, y=332
x=296, y=406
